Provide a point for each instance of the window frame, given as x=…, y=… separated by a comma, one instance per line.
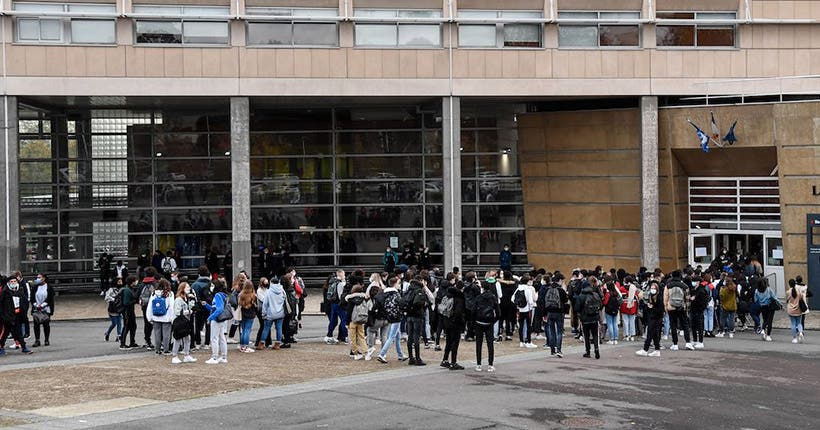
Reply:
x=499, y=28
x=597, y=24
x=292, y=19
x=397, y=23
x=695, y=25
x=64, y=17
x=182, y=18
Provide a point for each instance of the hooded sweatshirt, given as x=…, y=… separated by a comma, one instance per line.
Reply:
x=529, y=293
x=169, y=308
x=274, y=306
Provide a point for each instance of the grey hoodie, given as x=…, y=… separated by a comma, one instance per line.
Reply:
x=274, y=306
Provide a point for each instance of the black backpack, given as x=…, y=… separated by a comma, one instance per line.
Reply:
x=116, y=307
x=520, y=299
x=485, y=311
x=592, y=305
x=613, y=305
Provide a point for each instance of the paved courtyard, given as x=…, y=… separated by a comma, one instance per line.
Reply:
x=741, y=383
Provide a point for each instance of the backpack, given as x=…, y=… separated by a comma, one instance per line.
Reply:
x=391, y=307
x=592, y=305
x=146, y=293
x=552, y=300
x=613, y=305
x=158, y=306
x=116, y=306
x=360, y=312
x=166, y=265
x=445, y=307
x=485, y=312
x=333, y=291
x=677, y=297
x=520, y=299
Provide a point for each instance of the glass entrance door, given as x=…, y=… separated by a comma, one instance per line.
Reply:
x=773, y=264
x=701, y=249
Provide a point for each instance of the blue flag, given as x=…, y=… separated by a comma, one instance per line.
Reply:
x=703, y=137
x=730, y=136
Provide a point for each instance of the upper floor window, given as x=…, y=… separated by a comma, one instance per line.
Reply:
x=398, y=28
x=491, y=34
x=705, y=30
x=599, y=29
x=93, y=24
x=199, y=25
x=304, y=28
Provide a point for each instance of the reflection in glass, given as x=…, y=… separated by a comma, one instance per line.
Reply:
x=384, y=168
x=291, y=192
x=194, y=220
x=291, y=169
x=380, y=217
x=290, y=218
x=283, y=144
x=380, y=142
x=379, y=192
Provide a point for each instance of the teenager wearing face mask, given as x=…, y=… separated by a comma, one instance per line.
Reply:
x=655, y=310
x=129, y=318
x=183, y=324
x=13, y=308
x=42, y=308
x=160, y=314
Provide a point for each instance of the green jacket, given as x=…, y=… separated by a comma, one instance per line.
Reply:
x=128, y=297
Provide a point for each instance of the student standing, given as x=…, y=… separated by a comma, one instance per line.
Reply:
x=487, y=314
x=160, y=316
x=453, y=326
x=182, y=325
x=42, y=308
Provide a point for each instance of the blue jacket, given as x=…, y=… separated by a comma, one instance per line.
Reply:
x=764, y=298
x=274, y=306
x=505, y=260
x=220, y=300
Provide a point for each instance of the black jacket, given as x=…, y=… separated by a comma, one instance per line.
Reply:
x=585, y=295
x=417, y=300
x=457, y=318
x=49, y=297
x=654, y=304
x=542, y=295
x=8, y=312
x=471, y=292
x=487, y=310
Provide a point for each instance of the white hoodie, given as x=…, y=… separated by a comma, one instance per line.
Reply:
x=529, y=293
x=169, y=306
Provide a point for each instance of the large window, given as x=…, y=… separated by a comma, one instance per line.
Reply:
x=500, y=35
x=304, y=29
x=338, y=185
x=195, y=25
x=377, y=29
x=123, y=182
x=492, y=201
x=37, y=23
x=700, y=33
x=601, y=29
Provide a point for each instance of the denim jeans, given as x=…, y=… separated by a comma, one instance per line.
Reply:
x=611, y=326
x=797, y=324
x=666, y=324
x=394, y=337
x=337, y=316
x=116, y=321
x=277, y=324
x=709, y=319
x=245, y=328
x=728, y=321
x=754, y=311
x=629, y=324
x=555, y=330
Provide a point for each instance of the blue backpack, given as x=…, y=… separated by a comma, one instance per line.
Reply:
x=158, y=307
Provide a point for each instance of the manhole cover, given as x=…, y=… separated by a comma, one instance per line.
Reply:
x=582, y=422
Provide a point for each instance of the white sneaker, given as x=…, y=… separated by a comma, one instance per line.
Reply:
x=212, y=361
x=699, y=345
x=223, y=360
x=530, y=345
x=328, y=340
x=232, y=341
x=794, y=340
x=176, y=360
x=249, y=349
x=358, y=357
x=800, y=337
x=520, y=344
x=666, y=337
x=378, y=341
x=680, y=332
x=720, y=334
x=614, y=342
x=491, y=368
x=478, y=369
x=763, y=335
x=768, y=338
x=368, y=357
x=673, y=348
x=655, y=353
x=641, y=352
x=731, y=335
x=188, y=359
x=690, y=347
x=609, y=342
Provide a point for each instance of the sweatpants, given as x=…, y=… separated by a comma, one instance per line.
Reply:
x=697, y=326
x=379, y=328
x=484, y=333
x=678, y=321
x=524, y=327
x=653, y=333
x=186, y=346
x=767, y=312
x=451, y=343
x=219, y=343
x=129, y=326
x=162, y=336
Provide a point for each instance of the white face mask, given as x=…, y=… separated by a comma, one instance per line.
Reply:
x=653, y=291
x=187, y=291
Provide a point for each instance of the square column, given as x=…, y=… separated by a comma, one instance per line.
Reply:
x=241, y=185
x=650, y=233
x=9, y=187
x=451, y=131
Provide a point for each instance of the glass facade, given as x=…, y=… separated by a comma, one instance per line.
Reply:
x=124, y=182
x=492, y=200
x=336, y=185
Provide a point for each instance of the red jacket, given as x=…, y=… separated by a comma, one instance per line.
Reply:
x=624, y=309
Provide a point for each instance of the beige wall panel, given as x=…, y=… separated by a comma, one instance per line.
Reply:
x=537, y=216
x=541, y=237
x=115, y=62
x=705, y=65
x=319, y=63
x=134, y=61
x=794, y=247
x=407, y=63
x=192, y=62
x=173, y=62
x=630, y=5
x=674, y=64
x=626, y=64
x=301, y=63
x=505, y=5
x=284, y=63
x=532, y=169
x=55, y=61
x=526, y=64
x=797, y=123
x=427, y=64
x=626, y=217
x=642, y=64
x=593, y=64
x=493, y=64
x=292, y=3
x=576, y=64
x=229, y=59
x=802, y=36
x=793, y=217
x=16, y=60
x=476, y=64
x=394, y=4
x=461, y=63
x=627, y=244
x=737, y=64
x=154, y=62
x=338, y=63
x=390, y=63
x=802, y=9
x=660, y=64
x=248, y=63
x=591, y=216
x=755, y=125
x=372, y=63
x=754, y=63
x=355, y=63
x=802, y=63
x=266, y=62
x=95, y=61
x=786, y=38
x=798, y=190
x=560, y=63
x=697, y=5
x=509, y=61
x=799, y=161
x=67, y=1
x=35, y=60
x=183, y=2
x=211, y=63
x=441, y=63
x=625, y=190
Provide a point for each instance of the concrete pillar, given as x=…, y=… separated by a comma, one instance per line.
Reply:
x=9, y=187
x=241, y=184
x=650, y=235
x=451, y=128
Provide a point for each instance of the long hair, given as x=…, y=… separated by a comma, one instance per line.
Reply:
x=181, y=290
x=248, y=296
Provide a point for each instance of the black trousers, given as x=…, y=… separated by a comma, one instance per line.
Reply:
x=767, y=313
x=482, y=333
x=590, y=335
x=524, y=325
x=468, y=315
x=678, y=321
x=697, y=325
x=451, y=343
x=147, y=328
x=509, y=312
x=200, y=318
x=129, y=319
x=13, y=329
x=415, y=325
x=653, y=333
x=439, y=324
x=46, y=330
